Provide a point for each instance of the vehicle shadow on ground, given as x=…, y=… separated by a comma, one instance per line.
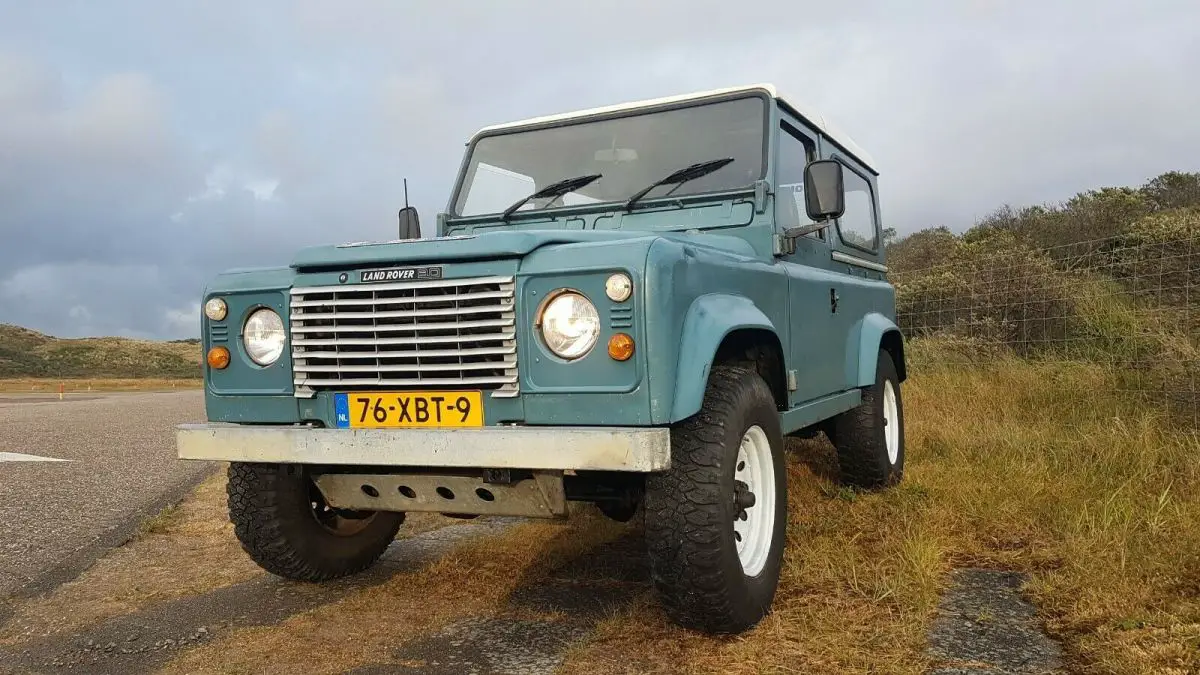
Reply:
x=145, y=640
x=555, y=606
x=818, y=454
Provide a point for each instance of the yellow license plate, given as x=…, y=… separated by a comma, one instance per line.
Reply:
x=377, y=409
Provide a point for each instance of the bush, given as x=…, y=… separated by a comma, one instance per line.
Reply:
x=1110, y=277
x=990, y=287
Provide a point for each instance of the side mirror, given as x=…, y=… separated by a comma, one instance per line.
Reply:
x=824, y=190
x=410, y=223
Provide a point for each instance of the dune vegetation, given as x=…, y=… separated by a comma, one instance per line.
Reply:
x=29, y=358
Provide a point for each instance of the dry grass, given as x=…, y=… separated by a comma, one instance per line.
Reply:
x=1039, y=467
x=41, y=385
x=1033, y=467
x=473, y=579
x=185, y=550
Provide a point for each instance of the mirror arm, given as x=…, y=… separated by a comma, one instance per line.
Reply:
x=805, y=229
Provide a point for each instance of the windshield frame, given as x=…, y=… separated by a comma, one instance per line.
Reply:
x=646, y=202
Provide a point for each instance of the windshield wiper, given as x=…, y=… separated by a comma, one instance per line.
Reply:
x=680, y=177
x=558, y=189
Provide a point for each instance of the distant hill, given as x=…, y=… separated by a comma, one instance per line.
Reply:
x=27, y=353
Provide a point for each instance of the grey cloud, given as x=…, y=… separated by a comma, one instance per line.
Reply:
x=194, y=138
x=93, y=299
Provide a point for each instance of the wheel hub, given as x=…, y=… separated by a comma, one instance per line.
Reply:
x=743, y=499
x=891, y=422
x=340, y=522
x=754, y=500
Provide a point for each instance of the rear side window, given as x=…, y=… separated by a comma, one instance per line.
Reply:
x=857, y=225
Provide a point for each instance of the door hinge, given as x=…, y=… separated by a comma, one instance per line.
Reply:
x=761, y=188
x=783, y=244
x=792, y=384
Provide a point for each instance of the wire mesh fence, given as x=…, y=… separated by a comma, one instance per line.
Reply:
x=1130, y=303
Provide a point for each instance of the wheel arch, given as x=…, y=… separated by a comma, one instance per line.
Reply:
x=874, y=332
x=893, y=342
x=725, y=329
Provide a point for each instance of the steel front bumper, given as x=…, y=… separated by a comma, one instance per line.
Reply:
x=638, y=449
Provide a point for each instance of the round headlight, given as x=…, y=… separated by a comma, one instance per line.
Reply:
x=570, y=325
x=618, y=287
x=264, y=337
x=215, y=309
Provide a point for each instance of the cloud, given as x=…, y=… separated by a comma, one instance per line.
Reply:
x=183, y=322
x=81, y=299
x=195, y=138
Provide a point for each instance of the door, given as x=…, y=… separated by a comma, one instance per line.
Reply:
x=810, y=277
x=856, y=253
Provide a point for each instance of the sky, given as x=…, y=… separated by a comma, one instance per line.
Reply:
x=147, y=146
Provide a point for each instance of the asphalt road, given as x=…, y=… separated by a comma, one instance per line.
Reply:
x=59, y=516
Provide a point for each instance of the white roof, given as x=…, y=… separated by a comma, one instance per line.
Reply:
x=815, y=118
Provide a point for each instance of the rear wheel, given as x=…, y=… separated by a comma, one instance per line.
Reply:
x=715, y=521
x=285, y=525
x=870, y=438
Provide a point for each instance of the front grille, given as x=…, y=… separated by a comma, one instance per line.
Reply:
x=443, y=334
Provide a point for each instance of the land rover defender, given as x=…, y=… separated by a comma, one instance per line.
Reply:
x=631, y=306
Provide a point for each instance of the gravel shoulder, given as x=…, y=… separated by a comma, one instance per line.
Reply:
x=61, y=516
x=984, y=626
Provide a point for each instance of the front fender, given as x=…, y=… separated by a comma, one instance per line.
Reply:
x=863, y=352
x=708, y=321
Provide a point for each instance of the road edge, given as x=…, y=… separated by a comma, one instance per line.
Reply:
x=111, y=538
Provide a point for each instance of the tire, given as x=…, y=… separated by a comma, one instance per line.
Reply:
x=272, y=510
x=690, y=509
x=622, y=511
x=861, y=434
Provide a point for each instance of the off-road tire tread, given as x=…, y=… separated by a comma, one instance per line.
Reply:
x=253, y=492
x=684, y=514
x=859, y=434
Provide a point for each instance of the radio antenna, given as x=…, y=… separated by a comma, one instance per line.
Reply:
x=406, y=193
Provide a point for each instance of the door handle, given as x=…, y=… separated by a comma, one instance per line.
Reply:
x=833, y=300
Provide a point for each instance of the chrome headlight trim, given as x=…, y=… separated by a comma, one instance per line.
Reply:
x=569, y=324
x=264, y=336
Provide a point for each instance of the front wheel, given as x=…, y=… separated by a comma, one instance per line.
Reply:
x=285, y=525
x=715, y=521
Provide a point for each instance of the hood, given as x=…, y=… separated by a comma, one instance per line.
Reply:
x=483, y=246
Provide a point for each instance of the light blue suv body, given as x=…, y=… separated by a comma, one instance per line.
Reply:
x=565, y=339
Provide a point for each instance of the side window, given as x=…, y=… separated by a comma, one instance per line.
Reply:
x=857, y=224
x=794, y=155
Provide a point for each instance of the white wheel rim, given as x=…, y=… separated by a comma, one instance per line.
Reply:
x=891, y=422
x=756, y=469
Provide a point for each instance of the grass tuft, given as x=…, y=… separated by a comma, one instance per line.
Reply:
x=162, y=522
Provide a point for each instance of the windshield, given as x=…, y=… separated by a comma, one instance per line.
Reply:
x=630, y=153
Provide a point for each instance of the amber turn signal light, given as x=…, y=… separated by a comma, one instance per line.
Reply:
x=218, y=358
x=620, y=347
